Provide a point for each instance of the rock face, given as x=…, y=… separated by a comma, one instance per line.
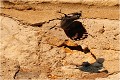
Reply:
x=88, y=2
x=46, y=52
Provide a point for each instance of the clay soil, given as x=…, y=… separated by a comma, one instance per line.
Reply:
x=47, y=53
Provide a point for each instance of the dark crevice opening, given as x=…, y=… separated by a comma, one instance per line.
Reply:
x=76, y=31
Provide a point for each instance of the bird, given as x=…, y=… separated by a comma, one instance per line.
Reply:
x=72, y=28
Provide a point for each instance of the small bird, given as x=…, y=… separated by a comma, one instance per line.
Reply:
x=72, y=28
x=68, y=19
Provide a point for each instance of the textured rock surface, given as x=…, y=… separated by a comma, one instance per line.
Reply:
x=46, y=52
x=88, y=2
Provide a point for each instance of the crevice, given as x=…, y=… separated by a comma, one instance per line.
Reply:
x=76, y=47
x=20, y=22
x=105, y=49
x=31, y=8
x=76, y=31
x=17, y=71
x=113, y=73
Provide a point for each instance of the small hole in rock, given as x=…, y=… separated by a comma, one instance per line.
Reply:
x=76, y=31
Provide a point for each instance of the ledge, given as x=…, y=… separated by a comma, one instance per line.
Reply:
x=87, y=2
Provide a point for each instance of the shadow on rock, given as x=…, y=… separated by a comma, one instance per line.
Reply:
x=95, y=67
x=76, y=31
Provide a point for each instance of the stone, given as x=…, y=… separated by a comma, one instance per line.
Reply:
x=89, y=58
x=69, y=43
x=67, y=50
x=96, y=64
x=100, y=60
x=54, y=41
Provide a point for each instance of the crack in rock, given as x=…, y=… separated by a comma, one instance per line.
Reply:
x=17, y=71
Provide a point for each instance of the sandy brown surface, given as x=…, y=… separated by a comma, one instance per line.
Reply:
x=50, y=10
x=87, y=2
x=46, y=53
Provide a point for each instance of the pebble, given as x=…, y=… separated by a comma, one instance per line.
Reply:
x=100, y=60
x=89, y=58
x=96, y=64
